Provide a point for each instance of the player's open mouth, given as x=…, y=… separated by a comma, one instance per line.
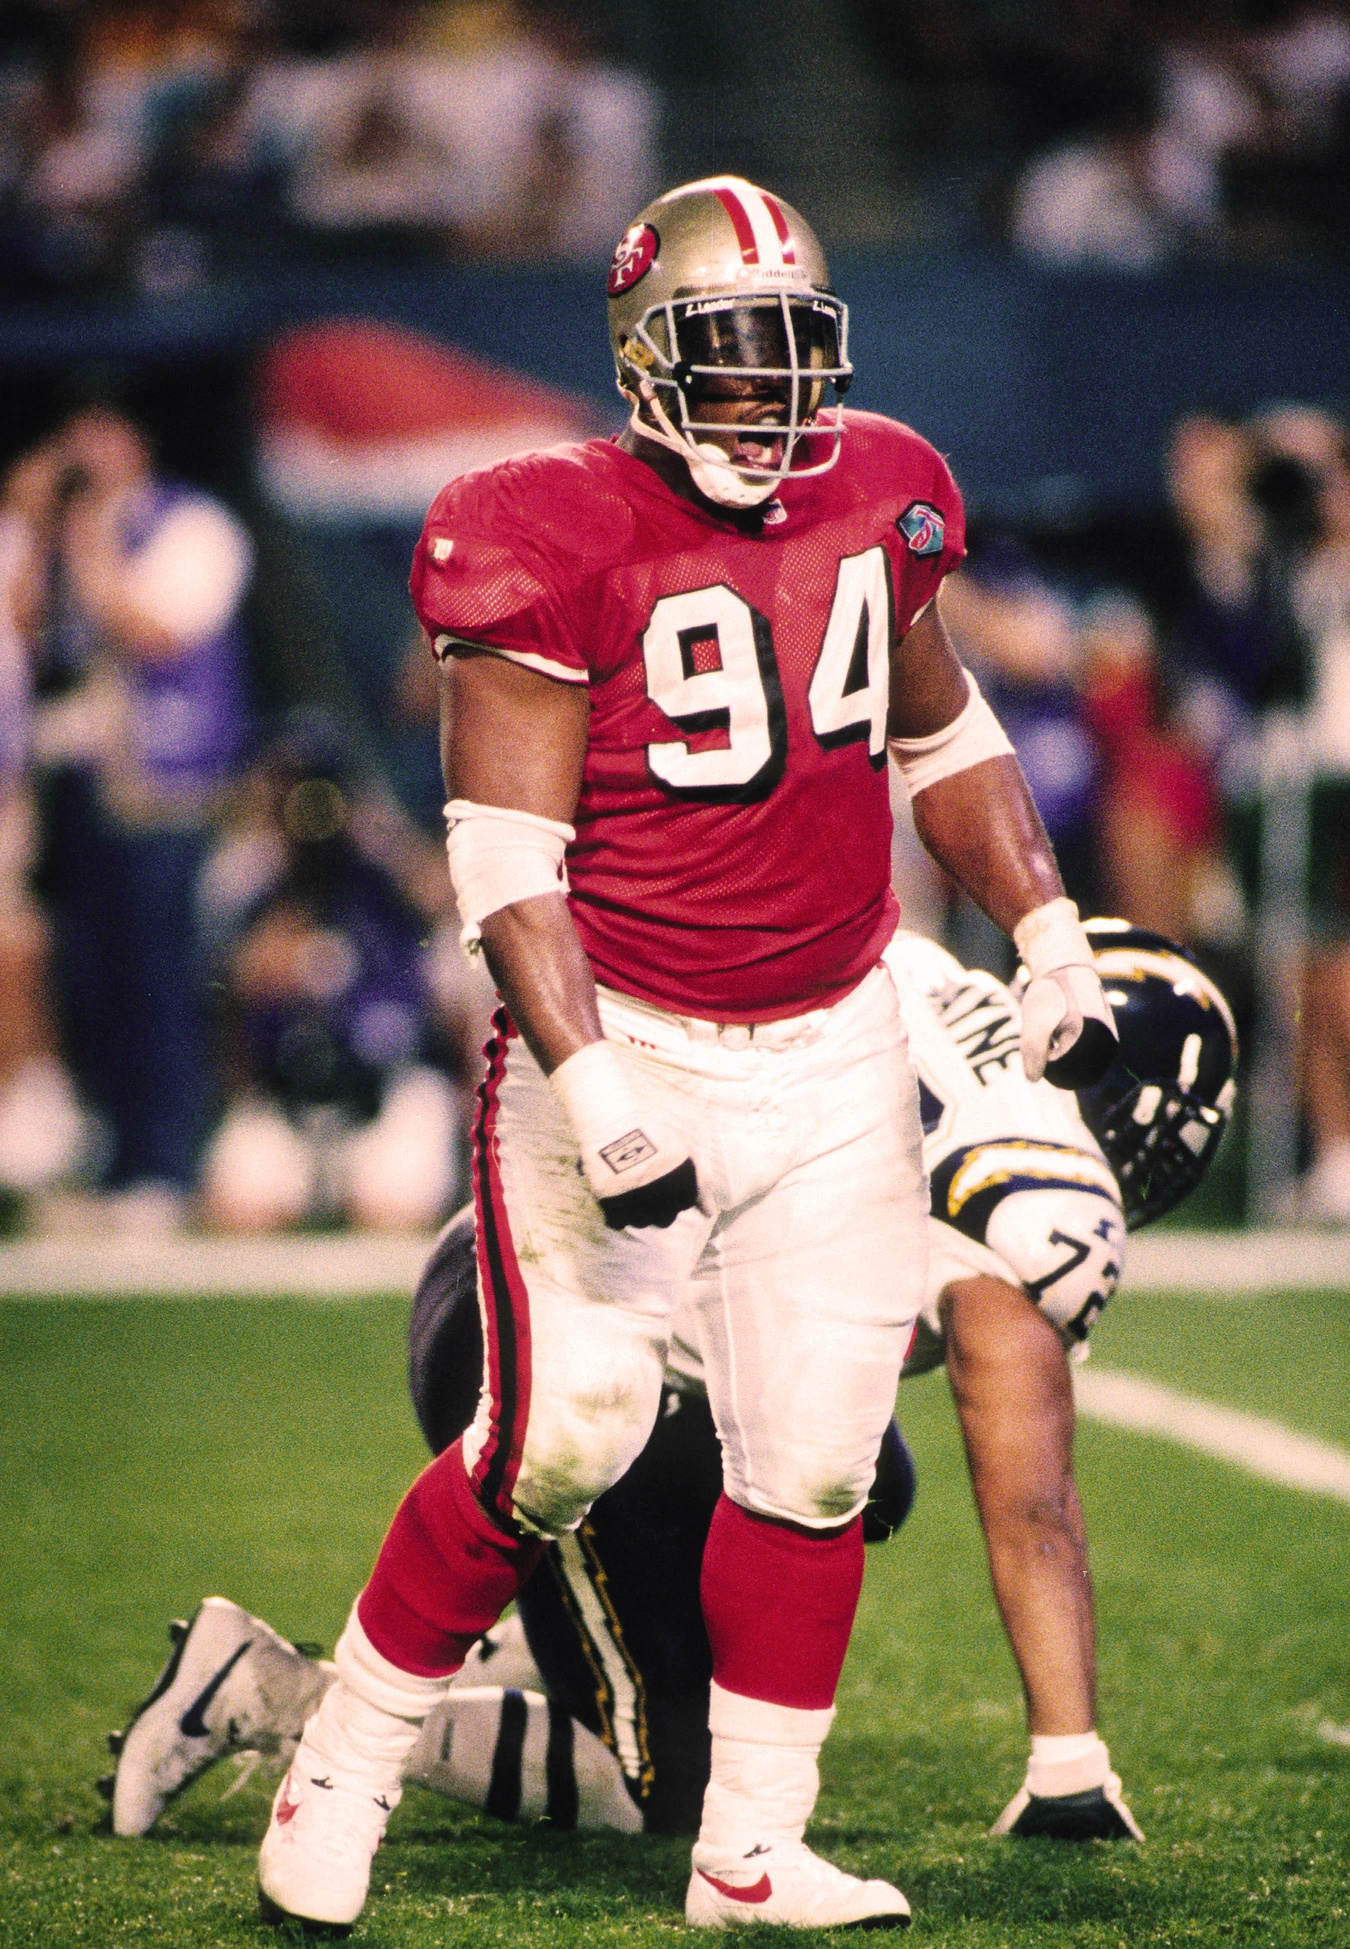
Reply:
x=749, y=452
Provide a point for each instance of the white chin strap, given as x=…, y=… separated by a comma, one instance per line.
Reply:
x=715, y=476
x=709, y=468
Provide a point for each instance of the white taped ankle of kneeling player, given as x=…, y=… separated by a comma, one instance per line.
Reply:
x=373, y=1678
x=764, y=1778
x=516, y=1756
x=623, y=1146
x=287, y=1689
x=1066, y=1763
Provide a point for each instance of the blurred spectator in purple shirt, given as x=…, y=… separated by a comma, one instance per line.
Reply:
x=1019, y=636
x=143, y=722
x=347, y=1062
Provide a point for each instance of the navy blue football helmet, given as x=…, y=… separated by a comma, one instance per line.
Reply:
x=1162, y=1107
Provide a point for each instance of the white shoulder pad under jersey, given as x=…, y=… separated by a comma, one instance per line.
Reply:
x=1019, y=1187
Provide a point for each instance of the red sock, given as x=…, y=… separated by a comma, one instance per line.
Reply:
x=444, y=1575
x=779, y=1603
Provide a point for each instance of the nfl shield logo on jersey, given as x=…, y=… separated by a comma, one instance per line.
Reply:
x=922, y=527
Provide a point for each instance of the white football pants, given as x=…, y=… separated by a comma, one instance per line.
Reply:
x=803, y=1266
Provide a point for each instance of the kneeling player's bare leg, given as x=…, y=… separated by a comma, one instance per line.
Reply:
x=1010, y=1381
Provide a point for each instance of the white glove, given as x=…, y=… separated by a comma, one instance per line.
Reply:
x=640, y=1172
x=1068, y=1030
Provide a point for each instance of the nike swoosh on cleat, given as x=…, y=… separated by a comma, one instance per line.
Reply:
x=758, y=1891
x=287, y=1809
x=192, y=1725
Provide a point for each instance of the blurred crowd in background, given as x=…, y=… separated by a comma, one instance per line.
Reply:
x=153, y=144
x=231, y=991
x=230, y=984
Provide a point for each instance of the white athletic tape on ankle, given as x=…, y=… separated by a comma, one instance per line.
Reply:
x=972, y=736
x=1083, y=1763
x=498, y=856
x=379, y=1682
x=731, y=1715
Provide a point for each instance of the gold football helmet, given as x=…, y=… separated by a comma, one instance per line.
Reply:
x=719, y=279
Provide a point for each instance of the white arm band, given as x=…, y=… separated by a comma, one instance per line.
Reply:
x=972, y=736
x=498, y=856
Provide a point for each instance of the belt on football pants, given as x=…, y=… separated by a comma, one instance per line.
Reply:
x=650, y=1021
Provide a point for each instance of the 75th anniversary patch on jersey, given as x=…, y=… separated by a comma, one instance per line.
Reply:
x=923, y=528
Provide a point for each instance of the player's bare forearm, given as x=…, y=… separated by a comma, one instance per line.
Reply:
x=543, y=976
x=981, y=824
x=1010, y=1381
x=512, y=738
x=982, y=827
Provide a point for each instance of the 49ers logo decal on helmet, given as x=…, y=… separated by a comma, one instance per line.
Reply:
x=633, y=259
x=923, y=528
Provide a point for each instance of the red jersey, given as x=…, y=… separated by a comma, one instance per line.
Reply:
x=732, y=857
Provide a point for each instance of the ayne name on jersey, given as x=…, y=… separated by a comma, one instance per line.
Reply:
x=671, y=666
x=590, y=1707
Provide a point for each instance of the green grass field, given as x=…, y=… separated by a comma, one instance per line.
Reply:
x=158, y=1450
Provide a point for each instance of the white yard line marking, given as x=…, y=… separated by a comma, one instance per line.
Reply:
x=206, y=1268
x=1209, y=1265
x=1234, y=1265
x=1264, y=1448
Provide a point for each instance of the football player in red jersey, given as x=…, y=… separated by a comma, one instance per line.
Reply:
x=672, y=666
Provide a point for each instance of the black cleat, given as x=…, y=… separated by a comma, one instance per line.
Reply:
x=298, y=1925
x=1098, y=1814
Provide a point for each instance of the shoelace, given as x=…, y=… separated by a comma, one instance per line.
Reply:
x=246, y=1765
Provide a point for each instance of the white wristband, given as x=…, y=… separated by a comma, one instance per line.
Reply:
x=623, y=1146
x=973, y=735
x=1052, y=937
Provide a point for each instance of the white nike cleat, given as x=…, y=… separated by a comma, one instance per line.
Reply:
x=786, y=1886
x=316, y=1856
x=233, y=1684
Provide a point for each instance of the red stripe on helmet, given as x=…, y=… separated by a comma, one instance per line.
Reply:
x=780, y=224
x=740, y=223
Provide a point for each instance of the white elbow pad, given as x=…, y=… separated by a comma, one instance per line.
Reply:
x=498, y=856
x=972, y=736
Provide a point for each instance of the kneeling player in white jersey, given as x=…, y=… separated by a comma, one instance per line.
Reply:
x=590, y=1708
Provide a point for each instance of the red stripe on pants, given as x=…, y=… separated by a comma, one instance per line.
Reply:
x=506, y=1301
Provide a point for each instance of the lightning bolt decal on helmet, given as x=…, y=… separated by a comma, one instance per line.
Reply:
x=719, y=279
x=1163, y=1106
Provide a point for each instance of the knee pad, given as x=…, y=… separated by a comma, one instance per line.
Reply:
x=572, y=1456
